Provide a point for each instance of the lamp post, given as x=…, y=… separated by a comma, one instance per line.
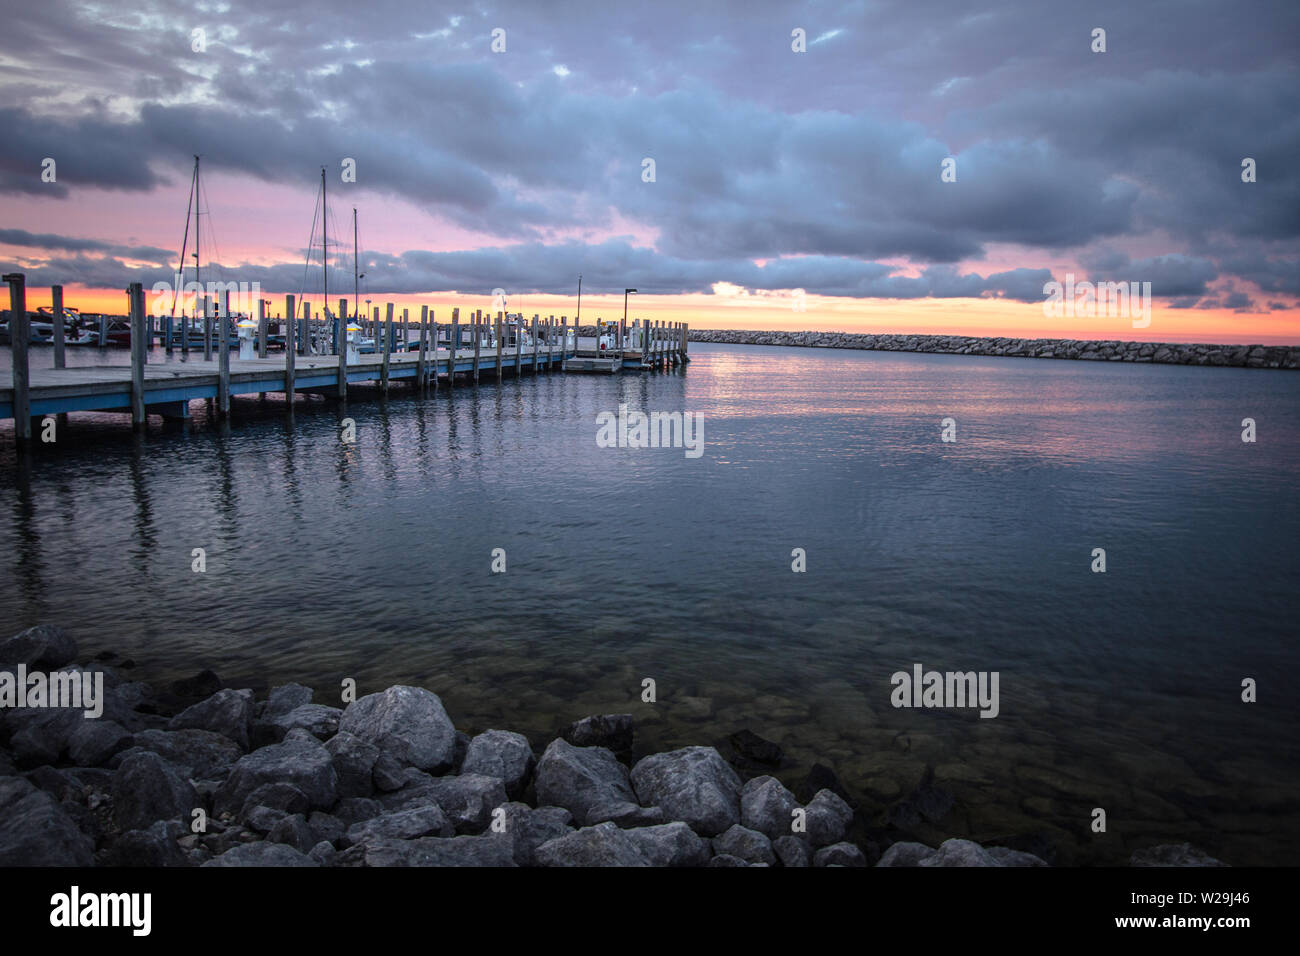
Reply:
x=626, y=293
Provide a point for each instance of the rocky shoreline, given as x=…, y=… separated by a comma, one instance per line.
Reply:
x=201, y=775
x=1162, y=353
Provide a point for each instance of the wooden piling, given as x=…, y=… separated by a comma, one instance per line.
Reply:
x=223, y=358
x=135, y=303
x=534, y=345
x=290, y=321
x=424, y=329
x=478, y=318
x=56, y=303
x=564, y=337
x=519, y=344
x=19, y=330
x=207, y=329
x=388, y=340
x=433, y=332
x=261, y=328
x=451, y=350
x=498, y=335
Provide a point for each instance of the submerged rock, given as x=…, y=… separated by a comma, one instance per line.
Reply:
x=612, y=731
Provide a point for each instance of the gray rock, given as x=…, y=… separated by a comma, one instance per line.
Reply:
x=354, y=764
x=580, y=778
x=293, y=830
x=199, y=754
x=41, y=646
x=408, y=722
x=94, y=742
x=388, y=773
x=694, y=785
x=828, y=818
x=468, y=800
x=839, y=854
x=227, y=712
x=262, y=854
x=355, y=809
x=305, y=764
x=153, y=847
x=1005, y=856
x=504, y=755
x=768, y=807
x=792, y=852
x=750, y=845
x=906, y=853
x=147, y=788
x=525, y=829
x=402, y=825
x=41, y=735
x=956, y=852
x=326, y=827
x=601, y=845
x=611, y=731
x=35, y=830
x=323, y=853
x=428, y=851
x=318, y=720
x=283, y=797
x=285, y=698
x=626, y=815
x=1173, y=854
x=726, y=859
x=671, y=844
x=262, y=819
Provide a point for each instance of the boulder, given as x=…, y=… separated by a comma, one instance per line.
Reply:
x=227, y=712
x=671, y=844
x=468, y=800
x=305, y=764
x=1005, y=856
x=768, y=807
x=42, y=646
x=827, y=818
x=152, y=847
x=750, y=845
x=402, y=825
x=35, y=830
x=95, y=742
x=199, y=754
x=1173, y=854
x=407, y=722
x=581, y=778
x=611, y=731
x=285, y=698
x=504, y=755
x=262, y=854
x=428, y=851
x=694, y=785
x=318, y=720
x=625, y=815
x=354, y=764
x=283, y=797
x=147, y=788
x=792, y=852
x=601, y=845
x=906, y=853
x=839, y=854
x=293, y=830
x=957, y=852
x=525, y=829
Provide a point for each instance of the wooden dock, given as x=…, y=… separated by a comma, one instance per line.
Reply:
x=143, y=388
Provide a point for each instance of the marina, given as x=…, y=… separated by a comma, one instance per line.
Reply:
x=423, y=355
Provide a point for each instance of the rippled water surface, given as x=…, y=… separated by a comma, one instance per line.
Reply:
x=1118, y=690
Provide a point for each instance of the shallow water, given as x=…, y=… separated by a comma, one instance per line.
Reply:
x=1118, y=690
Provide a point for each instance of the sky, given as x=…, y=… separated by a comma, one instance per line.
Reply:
x=885, y=166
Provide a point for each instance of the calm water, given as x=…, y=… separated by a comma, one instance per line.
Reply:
x=1118, y=690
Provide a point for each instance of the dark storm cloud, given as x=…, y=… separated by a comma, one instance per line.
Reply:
x=818, y=163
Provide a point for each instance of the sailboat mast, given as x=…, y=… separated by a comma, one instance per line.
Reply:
x=197, y=280
x=356, y=268
x=324, y=240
